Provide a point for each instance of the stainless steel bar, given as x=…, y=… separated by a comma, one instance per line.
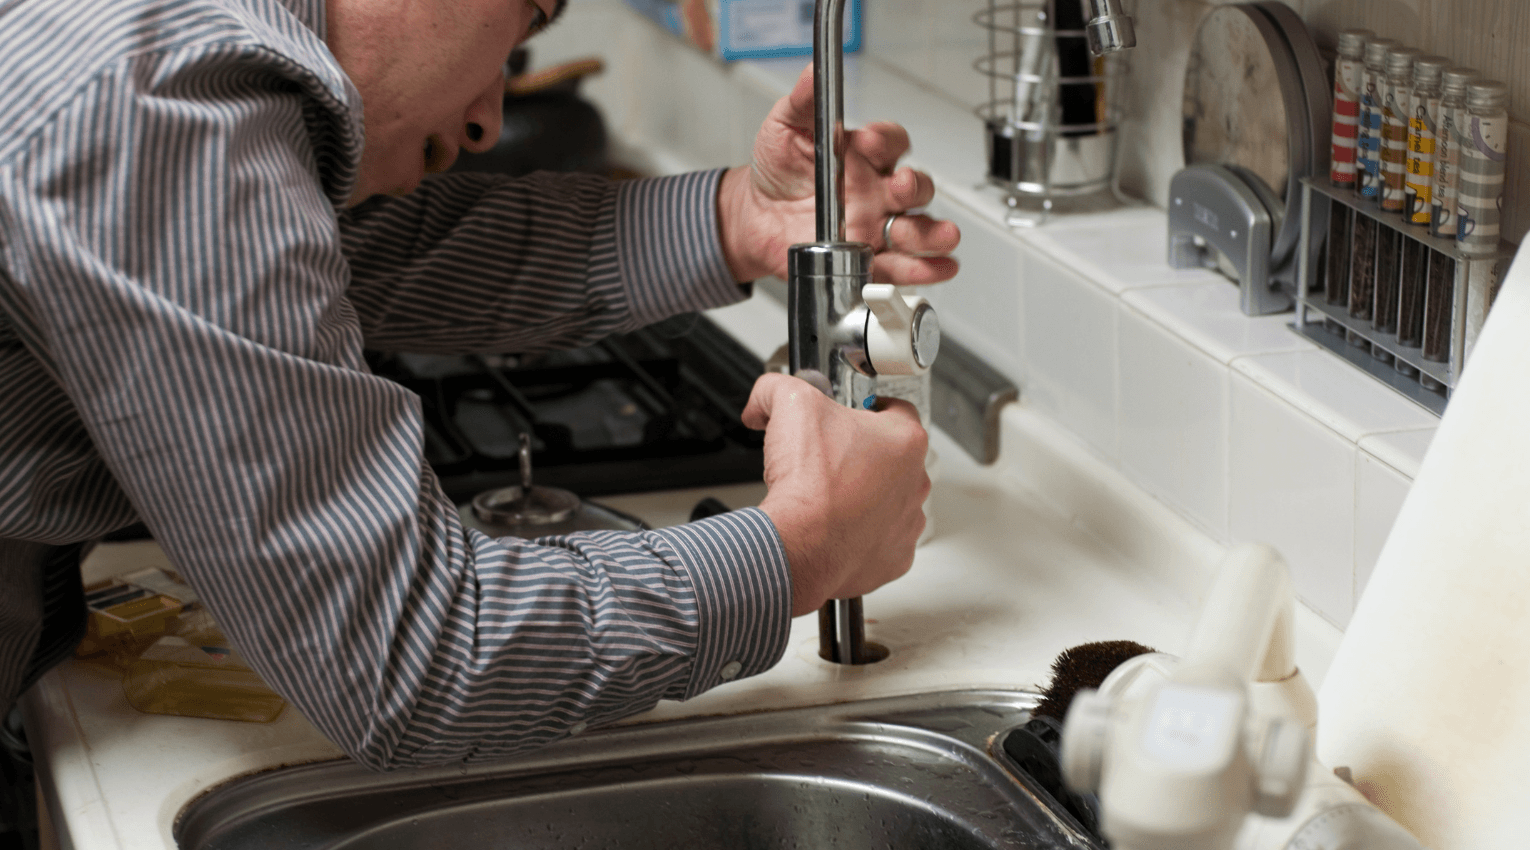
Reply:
x=824, y=288
x=829, y=112
x=844, y=636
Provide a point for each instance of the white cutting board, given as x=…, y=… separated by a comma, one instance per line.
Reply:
x=1428, y=698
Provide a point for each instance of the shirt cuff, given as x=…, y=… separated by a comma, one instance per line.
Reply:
x=743, y=588
x=669, y=248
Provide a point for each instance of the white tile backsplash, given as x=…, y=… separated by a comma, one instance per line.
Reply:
x=982, y=306
x=1292, y=485
x=1401, y=450
x=1173, y=421
x=1069, y=327
x=1121, y=250
x=1324, y=387
x=1207, y=316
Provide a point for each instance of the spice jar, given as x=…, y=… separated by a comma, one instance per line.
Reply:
x=1447, y=150
x=1484, y=147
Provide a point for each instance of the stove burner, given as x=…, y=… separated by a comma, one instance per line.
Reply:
x=655, y=409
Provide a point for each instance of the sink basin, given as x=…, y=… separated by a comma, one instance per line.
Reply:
x=905, y=772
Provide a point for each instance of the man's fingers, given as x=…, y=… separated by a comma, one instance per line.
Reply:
x=903, y=270
x=796, y=109
x=774, y=389
x=756, y=413
x=771, y=391
x=909, y=189
x=897, y=407
x=920, y=236
x=882, y=143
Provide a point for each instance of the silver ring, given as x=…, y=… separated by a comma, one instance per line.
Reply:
x=887, y=231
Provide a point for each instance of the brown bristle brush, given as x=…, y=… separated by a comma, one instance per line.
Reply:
x=1036, y=745
x=1080, y=667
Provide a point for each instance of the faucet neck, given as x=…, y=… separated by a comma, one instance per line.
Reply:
x=829, y=118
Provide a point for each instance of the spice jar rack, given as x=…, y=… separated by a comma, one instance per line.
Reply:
x=1473, y=279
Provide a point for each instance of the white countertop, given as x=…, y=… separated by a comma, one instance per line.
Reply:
x=1044, y=550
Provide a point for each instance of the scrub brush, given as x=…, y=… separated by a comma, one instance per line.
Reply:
x=1080, y=667
x=1035, y=747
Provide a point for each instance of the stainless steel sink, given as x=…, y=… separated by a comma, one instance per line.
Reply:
x=907, y=772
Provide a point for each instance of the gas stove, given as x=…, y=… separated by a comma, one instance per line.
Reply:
x=655, y=409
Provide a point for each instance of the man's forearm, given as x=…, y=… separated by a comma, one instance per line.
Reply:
x=476, y=262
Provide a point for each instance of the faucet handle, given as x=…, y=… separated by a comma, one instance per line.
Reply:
x=902, y=332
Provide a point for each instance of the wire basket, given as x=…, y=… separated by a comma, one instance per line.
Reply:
x=1053, y=113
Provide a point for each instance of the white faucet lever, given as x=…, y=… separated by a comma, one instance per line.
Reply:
x=1181, y=766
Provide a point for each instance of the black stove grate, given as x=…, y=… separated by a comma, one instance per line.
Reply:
x=655, y=409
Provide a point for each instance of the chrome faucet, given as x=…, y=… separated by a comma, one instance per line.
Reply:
x=843, y=330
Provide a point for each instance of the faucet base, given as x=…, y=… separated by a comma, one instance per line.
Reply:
x=842, y=634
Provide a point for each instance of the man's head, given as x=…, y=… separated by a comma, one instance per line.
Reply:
x=431, y=78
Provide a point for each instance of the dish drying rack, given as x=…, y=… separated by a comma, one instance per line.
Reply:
x=1050, y=135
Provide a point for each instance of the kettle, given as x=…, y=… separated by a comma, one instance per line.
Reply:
x=529, y=511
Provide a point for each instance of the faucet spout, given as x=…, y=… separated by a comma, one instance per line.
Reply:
x=1109, y=29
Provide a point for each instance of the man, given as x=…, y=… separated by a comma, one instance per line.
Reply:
x=207, y=207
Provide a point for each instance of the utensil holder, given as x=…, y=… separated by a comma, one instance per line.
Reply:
x=1368, y=342
x=1038, y=148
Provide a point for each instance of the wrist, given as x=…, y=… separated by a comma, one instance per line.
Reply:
x=811, y=586
x=738, y=249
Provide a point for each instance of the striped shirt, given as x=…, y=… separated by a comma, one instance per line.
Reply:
x=183, y=307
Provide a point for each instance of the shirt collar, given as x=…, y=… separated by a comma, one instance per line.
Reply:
x=311, y=13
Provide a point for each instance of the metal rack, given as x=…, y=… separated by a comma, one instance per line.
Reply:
x=1475, y=284
x=1033, y=155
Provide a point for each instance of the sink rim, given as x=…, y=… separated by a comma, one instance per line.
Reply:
x=940, y=723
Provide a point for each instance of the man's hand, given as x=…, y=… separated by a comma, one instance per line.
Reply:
x=846, y=488
x=767, y=207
